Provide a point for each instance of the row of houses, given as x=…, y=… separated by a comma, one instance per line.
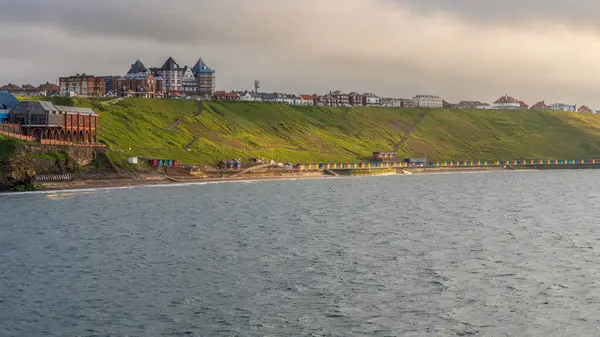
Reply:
x=333, y=98
x=507, y=102
x=174, y=81
x=47, y=89
x=169, y=80
x=541, y=105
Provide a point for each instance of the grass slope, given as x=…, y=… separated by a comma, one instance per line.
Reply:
x=8, y=146
x=321, y=134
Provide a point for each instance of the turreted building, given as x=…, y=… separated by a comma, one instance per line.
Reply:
x=140, y=82
x=205, y=78
x=172, y=75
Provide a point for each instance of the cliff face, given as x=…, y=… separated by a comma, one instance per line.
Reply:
x=27, y=161
x=18, y=171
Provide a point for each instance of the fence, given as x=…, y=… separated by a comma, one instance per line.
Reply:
x=527, y=162
x=481, y=163
x=61, y=142
x=16, y=135
x=53, y=177
x=349, y=166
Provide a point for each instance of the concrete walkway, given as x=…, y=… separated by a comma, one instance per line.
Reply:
x=113, y=101
x=397, y=147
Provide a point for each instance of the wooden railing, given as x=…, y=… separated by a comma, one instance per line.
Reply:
x=16, y=135
x=61, y=142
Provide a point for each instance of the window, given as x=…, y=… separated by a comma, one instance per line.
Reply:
x=38, y=120
x=80, y=120
x=92, y=121
x=68, y=120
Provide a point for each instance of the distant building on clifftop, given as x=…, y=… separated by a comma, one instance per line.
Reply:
x=428, y=101
x=205, y=78
x=83, y=85
x=541, y=105
x=506, y=102
x=472, y=105
x=139, y=82
x=563, y=107
x=585, y=109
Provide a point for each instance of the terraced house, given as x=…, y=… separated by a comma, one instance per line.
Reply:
x=48, y=89
x=82, y=85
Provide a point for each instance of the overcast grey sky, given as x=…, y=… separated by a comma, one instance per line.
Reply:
x=458, y=49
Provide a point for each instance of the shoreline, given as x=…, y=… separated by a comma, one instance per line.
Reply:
x=154, y=180
x=130, y=183
x=151, y=180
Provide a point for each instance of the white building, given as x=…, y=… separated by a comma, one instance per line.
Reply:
x=249, y=96
x=370, y=99
x=273, y=97
x=563, y=107
x=428, y=101
x=172, y=76
x=307, y=99
x=292, y=99
x=190, y=85
x=390, y=102
x=506, y=103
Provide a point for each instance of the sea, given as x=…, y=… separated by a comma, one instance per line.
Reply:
x=487, y=254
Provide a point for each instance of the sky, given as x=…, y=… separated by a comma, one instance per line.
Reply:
x=458, y=49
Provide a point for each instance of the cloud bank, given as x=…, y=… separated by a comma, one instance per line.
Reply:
x=472, y=50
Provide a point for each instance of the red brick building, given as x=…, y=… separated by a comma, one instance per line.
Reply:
x=226, y=96
x=142, y=85
x=327, y=100
x=83, y=85
x=355, y=99
x=341, y=99
x=541, y=105
x=584, y=109
x=45, y=121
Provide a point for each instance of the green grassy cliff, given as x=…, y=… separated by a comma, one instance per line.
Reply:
x=325, y=134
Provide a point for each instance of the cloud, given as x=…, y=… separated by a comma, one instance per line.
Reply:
x=460, y=49
x=571, y=13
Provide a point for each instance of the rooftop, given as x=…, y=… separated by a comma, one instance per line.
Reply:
x=201, y=68
x=506, y=99
x=427, y=96
x=75, y=110
x=136, y=76
x=540, y=104
x=48, y=106
x=49, y=87
x=137, y=67
x=7, y=99
x=10, y=86
x=170, y=64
